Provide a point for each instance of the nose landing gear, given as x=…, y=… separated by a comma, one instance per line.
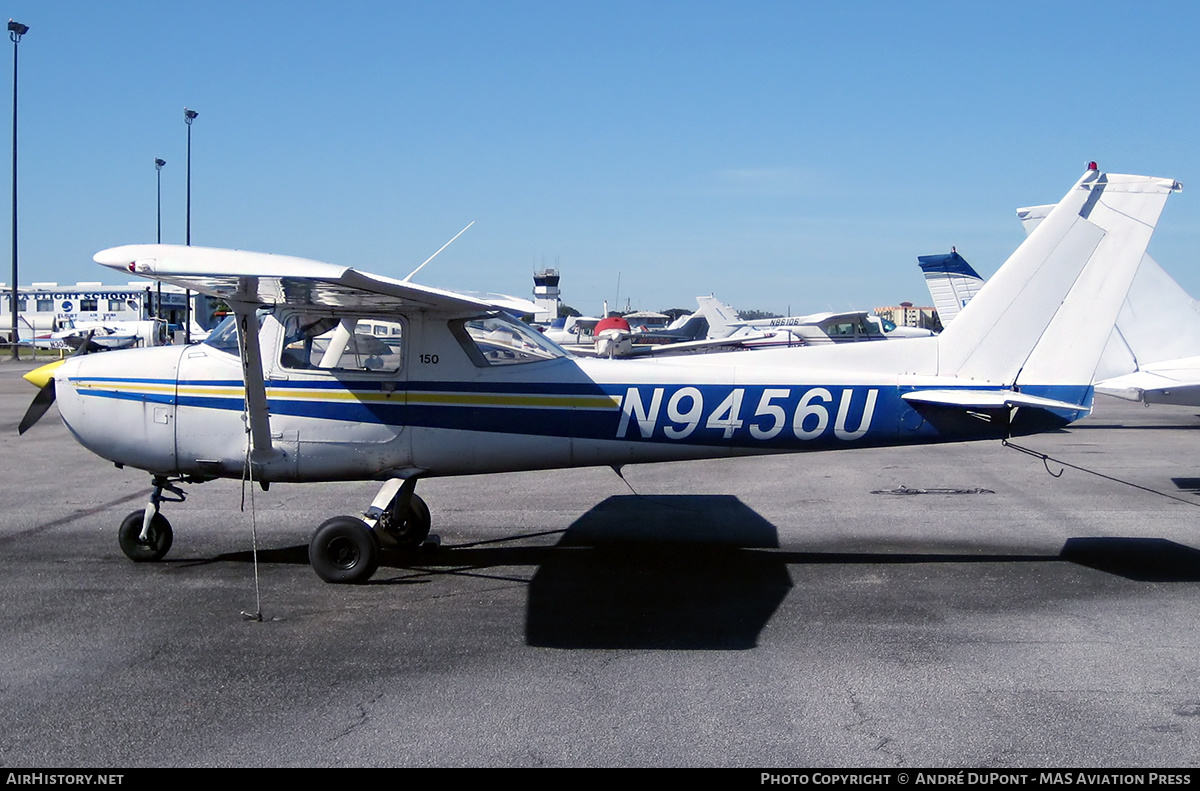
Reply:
x=153, y=546
x=145, y=536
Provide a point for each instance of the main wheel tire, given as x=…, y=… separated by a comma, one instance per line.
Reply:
x=413, y=531
x=344, y=550
x=158, y=543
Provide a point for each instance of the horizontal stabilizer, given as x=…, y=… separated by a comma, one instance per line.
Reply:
x=987, y=399
x=1168, y=382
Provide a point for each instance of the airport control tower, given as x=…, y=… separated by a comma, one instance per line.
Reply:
x=545, y=294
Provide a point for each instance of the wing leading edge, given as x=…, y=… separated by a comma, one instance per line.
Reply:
x=268, y=279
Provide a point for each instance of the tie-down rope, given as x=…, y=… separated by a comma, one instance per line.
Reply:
x=1045, y=459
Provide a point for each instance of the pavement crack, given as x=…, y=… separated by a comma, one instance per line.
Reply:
x=862, y=727
x=362, y=718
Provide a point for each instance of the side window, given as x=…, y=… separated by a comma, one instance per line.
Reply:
x=323, y=343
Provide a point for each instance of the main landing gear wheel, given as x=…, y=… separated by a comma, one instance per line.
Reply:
x=344, y=550
x=411, y=531
x=157, y=544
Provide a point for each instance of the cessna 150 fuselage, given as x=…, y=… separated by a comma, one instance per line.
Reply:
x=326, y=373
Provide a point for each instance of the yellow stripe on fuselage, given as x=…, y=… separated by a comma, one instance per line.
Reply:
x=123, y=387
x=494, y=399
x=417, y=398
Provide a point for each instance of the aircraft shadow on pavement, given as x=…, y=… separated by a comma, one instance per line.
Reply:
x=1140, y=559
x=673, y=572
x=667, y=572
x=1187, y=484
x=1145, y=559
x=688, y=572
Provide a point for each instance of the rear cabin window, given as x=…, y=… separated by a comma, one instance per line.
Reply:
x=341, y=344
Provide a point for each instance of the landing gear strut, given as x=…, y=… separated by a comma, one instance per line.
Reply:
x=145, y=536
x=346, y=549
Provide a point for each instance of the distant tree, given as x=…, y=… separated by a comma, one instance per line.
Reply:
x=675, y=313
x=565, y=310
x=752, y=315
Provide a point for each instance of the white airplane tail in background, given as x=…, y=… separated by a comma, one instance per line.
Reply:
x=722, y=319
x=1046, y=315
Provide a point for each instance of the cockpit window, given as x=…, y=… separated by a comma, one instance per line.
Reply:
x=224, y=336
x=326, y=343
x=497, y=339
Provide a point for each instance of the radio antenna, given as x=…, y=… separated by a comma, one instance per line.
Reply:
x=440, y=249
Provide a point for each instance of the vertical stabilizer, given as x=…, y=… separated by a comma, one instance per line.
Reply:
x=722, y=319
x=951, y=281
x=1048, y=312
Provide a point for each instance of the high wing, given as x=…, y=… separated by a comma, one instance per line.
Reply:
x=268, y=279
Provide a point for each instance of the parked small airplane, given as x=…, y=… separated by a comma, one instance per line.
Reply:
x=817, y=329
x=615, y=336
x=111, y=334
x=573, y=331
x=292, y=389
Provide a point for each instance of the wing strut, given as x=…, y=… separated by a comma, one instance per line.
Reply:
x=261, y=449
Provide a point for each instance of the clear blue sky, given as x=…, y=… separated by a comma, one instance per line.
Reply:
x=780, y=154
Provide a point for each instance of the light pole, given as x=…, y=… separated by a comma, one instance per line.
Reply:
x=158, y=166
x=15, y=31
x=188, y=117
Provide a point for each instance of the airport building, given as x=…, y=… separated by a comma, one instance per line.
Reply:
x=546, y=294
x=46, y=307
x=908, y=315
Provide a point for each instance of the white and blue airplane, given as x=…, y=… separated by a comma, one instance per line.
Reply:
x=853, y=326
x=293, y=388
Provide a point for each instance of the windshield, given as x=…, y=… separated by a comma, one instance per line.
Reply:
x=501, y=340
x=224, y=335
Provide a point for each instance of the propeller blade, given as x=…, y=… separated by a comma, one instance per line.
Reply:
x=44, y=378
x=41, y=402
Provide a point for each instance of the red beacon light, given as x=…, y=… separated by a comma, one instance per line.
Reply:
x=1093, y=166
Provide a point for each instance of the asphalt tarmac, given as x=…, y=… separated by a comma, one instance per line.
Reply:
x=785, y=611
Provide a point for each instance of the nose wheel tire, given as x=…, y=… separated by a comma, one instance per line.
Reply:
x=344, y=550
x=157, y=544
